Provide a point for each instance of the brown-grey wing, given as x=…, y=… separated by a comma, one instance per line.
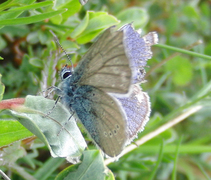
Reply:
x=105, y=65
x=103, y=118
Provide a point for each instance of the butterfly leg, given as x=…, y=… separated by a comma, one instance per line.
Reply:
x=65, y=123
x=49, y=90
x=58, y=91
x=52, y=89
x=49, y=112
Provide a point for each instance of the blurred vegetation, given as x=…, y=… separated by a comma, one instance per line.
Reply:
x=30, y=65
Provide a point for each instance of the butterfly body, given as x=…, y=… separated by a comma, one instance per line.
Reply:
x=100, y=91
x=90, y=105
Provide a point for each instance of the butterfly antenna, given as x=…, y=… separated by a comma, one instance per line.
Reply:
x=57, y=41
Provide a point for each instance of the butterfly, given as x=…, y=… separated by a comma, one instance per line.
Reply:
x=103, y=91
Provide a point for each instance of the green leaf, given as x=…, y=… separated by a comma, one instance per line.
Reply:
x=184, y=149
x=32, y=37
x=61, y=135
x=29, y=7
x=98, y=21
x=166, y=136
x=92, y=167
x=2, y=87
x=70, y=46
x=3, y=43
x=11, y=15
x=56, y=19
x=11, y=153
x=158, y=162
x=81, y=27
x=135, y=15
x=181, y=70
x=110, y=176
x=172, y=24
x=36, y=62
x=72, y=8
x=11, y=3
x=191, y=12
x=11, y=131
x=45, y=171
x=31, y=19
x=44, y=37
x=180, y=50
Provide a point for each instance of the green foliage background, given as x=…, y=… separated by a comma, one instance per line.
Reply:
x=175, y=82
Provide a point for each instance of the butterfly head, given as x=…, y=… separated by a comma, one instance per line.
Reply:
x=66, y=72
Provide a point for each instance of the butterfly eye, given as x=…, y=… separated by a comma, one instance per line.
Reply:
x=66, y=74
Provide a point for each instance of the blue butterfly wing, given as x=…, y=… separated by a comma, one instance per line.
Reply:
x=138, y=50
x=137, y=109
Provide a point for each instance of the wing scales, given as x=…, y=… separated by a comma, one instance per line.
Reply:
x=107, y=51
x=103, y=118
x=137, y=109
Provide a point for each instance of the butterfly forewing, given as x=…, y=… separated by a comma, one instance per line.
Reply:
x=103, y=118
x=105, y=65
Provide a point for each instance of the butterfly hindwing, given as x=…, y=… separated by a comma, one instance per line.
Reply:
x=102, y=117
x=137, y=109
